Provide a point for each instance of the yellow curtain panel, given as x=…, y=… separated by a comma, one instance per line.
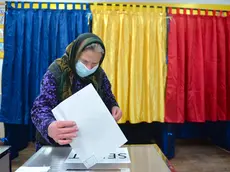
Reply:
x=135, y=62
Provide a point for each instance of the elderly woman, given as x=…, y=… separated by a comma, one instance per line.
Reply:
x=79, y=66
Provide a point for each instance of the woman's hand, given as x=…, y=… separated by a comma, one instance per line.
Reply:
x=117, y=113
x=62, y=132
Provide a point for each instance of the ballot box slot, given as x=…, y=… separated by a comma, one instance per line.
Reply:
x=107, y=170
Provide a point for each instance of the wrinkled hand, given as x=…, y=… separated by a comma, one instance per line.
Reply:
x=117, y=113
x=62, y=132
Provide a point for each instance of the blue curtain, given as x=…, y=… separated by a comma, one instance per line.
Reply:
x=33, y=39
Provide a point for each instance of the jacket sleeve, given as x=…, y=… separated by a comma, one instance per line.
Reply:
x=109, y=98
x=41, y=113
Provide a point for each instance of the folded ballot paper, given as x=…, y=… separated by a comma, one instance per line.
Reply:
x=98, y=134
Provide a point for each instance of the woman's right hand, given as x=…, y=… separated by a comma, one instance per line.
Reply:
x=62, y=132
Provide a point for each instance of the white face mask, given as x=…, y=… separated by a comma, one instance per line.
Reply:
x=83, y=71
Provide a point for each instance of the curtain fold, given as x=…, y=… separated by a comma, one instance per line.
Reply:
x=198, y=80
x=135, y=62
x=33, y=39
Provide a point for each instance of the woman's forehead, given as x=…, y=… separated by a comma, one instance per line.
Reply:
x=91, y=56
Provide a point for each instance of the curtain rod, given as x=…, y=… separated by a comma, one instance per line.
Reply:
x=198, y=9
x=173, y=5
x=158, y=6
x=125, y=5
x=209, y=7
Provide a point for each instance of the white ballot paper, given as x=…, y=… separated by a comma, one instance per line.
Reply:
x=120, y=156
x=98, y=134
x=34, y=169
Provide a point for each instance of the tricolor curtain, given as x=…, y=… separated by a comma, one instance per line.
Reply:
x=135, y=62
x=198, y=79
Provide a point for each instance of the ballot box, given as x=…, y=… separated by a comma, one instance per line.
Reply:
x=5, y=165
x=143, y=158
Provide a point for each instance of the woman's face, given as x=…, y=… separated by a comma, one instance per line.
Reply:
x=90, y=58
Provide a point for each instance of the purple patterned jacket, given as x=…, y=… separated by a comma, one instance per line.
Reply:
x=41, y=113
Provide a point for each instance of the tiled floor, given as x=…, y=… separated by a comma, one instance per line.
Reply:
x=201, y=157
x=195, y=157
x=23, y=157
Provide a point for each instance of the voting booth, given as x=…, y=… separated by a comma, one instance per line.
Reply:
x=146, y=158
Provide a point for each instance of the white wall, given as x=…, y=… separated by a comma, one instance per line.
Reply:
x=1, y=61
x=2, y=131
x=159, y=1
x=1, y=124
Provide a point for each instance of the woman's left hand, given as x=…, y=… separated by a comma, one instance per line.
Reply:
x=117, y=113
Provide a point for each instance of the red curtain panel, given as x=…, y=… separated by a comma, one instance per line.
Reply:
x=198, y=80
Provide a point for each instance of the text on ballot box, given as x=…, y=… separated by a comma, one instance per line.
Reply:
x=121, y=156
